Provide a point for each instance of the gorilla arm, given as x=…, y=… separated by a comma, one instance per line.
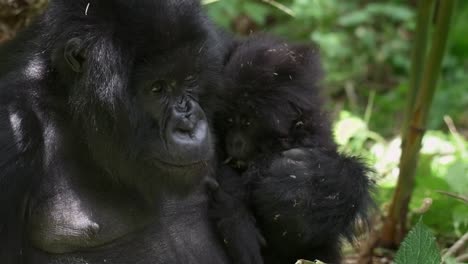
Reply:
x=234, y=219
x=309, y=197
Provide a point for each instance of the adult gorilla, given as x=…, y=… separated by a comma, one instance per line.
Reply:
x=103, y=146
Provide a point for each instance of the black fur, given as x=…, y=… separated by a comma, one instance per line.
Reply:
x=292, y=184
x=103, y=146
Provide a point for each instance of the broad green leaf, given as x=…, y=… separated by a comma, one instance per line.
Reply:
x=419, y=247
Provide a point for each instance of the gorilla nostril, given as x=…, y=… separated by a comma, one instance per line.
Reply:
x=185, y=126
x=181, y=101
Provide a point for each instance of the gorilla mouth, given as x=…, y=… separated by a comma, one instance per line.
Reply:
x=185, y=166
x=236, y=163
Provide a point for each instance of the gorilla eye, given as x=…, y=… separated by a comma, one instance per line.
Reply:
x=158, y=86
x=230, y=120
x=191, y=80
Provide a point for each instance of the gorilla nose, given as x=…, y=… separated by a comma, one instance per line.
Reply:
x=189, y=140
x=186, y=119
x=188, y=127
x=186, y=124
x=237, y=148
x=238, y=144
x=187, y=133
x=183, y=105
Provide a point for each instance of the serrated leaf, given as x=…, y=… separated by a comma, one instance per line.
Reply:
x=419, y=247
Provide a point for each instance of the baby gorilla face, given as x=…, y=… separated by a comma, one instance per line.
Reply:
x=241, y=139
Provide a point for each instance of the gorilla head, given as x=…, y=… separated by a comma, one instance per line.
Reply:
x=132, y=76
x=273, y=101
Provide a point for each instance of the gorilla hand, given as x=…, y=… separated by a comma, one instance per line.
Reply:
x=308, y=198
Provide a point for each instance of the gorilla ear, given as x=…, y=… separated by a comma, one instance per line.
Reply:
x=73, y=54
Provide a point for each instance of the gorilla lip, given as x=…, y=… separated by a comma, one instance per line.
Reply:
x=166, y=164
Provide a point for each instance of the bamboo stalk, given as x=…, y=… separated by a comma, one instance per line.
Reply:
x=419, y=53
x=394, y=228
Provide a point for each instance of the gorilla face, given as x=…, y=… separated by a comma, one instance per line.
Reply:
x=135, y=96
x=179, y=133
x=241, y=137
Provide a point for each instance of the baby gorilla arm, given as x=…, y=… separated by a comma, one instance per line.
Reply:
x=234, y=220
x=305, y=200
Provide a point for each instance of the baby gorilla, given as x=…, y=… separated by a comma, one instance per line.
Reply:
x=271, y=101
x=283, y=185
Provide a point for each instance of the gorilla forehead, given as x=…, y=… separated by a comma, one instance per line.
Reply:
x=147, y=24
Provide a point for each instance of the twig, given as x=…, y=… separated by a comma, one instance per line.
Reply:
x=281, y=7
x=425, y=206
x=462, y=258
x=456, y=246
x=369, y=107
x=454, y=195
x=351, y=94
x=451, y=126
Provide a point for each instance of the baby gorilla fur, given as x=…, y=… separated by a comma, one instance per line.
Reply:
x=272, y=120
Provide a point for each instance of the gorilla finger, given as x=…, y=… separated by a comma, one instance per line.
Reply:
x=212, y=184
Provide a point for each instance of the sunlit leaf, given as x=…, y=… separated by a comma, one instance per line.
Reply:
x=419, y=247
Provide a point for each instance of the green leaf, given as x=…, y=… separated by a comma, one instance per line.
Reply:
x=457, y=177
x=460, y=218
x=419, y=247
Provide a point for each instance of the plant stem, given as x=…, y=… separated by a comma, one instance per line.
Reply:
x=394, y=228
x=419, y=52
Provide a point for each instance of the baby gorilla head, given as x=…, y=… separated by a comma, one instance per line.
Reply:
x=241, y=135
x=271, y=99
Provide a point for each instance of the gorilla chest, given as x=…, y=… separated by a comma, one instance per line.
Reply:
x=159, y=243
x=109, y=229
